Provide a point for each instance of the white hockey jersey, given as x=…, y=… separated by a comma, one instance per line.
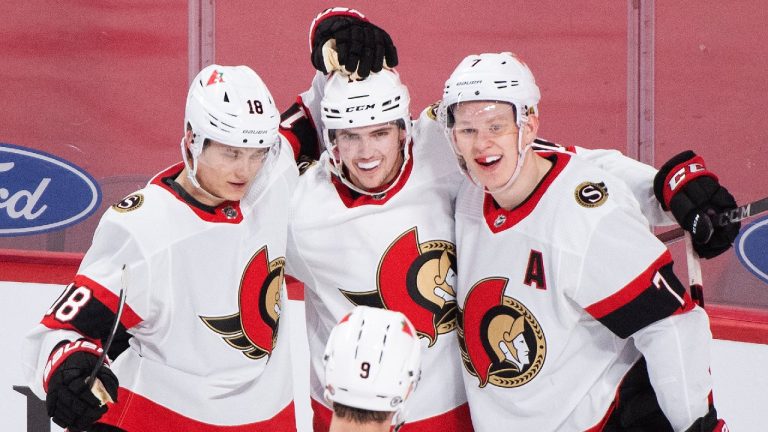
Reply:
x=556, y=294
x=203, y=310
x=394, y=252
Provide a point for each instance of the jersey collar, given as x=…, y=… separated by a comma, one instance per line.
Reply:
x=499, y=219
x=226, y=212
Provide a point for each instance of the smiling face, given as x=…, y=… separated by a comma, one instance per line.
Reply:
x=372, y=155
x=485, y=135
x=225, y=173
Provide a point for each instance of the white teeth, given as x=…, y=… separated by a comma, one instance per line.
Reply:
x=368, y=165
x=489, y=159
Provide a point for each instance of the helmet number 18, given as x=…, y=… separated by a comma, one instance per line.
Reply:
x=255, y=107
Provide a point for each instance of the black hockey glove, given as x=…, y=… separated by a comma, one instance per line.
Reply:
x=69, y=401
x=361, y=47
x=708, y=423
x=686, y=187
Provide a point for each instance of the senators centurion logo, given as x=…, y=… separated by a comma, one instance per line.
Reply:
x=501, y=341
x=417, y=279
x=253, y=329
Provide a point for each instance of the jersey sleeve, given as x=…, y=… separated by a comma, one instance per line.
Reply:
x=87, y=307
x=677, y=352
x=626, y=279
x=298, y=123
x=638, y=177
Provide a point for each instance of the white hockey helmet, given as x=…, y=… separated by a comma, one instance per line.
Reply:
x=230, y=105
x=380, y=98
x=492, y=77
x=372, y=360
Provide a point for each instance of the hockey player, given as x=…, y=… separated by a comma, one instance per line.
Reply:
x=377, y=210
x=371, y=368
x=558, y=248
x=199, y=345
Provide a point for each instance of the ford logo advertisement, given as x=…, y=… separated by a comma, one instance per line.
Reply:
x=40, y=192
x=752, y=248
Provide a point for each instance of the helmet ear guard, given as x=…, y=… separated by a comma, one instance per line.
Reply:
x=372, y=361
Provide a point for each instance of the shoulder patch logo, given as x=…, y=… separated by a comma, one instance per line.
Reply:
x=129, y=203
x=432, y=110
x=590, y=195
x=304, y=163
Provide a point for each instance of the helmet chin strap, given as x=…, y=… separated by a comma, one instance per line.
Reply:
x=192, y=172
x=521, y=152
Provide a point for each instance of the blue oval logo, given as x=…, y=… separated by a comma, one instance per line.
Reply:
x=40, y=192
x=752, y=248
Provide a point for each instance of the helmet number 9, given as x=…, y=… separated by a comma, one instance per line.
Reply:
x=255, y=107
x=365, y=368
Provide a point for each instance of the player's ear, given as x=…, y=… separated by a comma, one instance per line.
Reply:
x=188, y=138
x=531, y=128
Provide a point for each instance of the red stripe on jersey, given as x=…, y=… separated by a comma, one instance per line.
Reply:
x=455, y=420
x=294, y=288
x=134, y=412
x=296, y=124
x=321, y=419
x=631, y=290
x=683, y=173
x=293, y=140
x=499, y=219
x=307, y=111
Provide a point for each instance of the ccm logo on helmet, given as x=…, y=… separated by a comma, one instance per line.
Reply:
x=361, y=107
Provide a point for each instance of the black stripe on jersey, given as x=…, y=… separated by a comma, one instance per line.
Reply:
x=542, y=144
x=664, y=296
x=300, y=130
x=93, y=320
